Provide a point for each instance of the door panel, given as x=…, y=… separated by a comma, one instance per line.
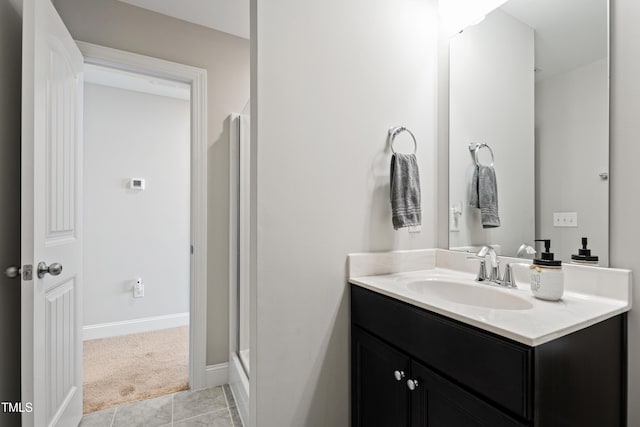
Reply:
x=440, y=403
x=378, y=398
x=51, y=218
x=61, y=105
x=59, y=339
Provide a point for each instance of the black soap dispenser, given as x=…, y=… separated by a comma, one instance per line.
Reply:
x=584, y=255
x=547, y=277
x=546, y=257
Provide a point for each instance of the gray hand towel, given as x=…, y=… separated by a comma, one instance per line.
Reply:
x=484, y=195
x=405, y=191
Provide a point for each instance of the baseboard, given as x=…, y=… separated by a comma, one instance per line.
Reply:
x=217, y=374
x=125, y=327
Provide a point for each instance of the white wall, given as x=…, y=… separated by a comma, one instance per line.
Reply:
x=131, y=233
x=624, y=154
x=10, y=75
x=572, y=125
x=115, y=24
x=492, y=101
x=328, y=80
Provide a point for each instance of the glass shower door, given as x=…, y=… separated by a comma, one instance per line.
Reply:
x=244, y=242
x=240, y=244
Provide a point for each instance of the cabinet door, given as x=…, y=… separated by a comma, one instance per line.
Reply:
x=378, y=398
x=436, y=402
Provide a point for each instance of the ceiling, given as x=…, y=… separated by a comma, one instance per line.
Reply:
x=568, y=33
x=229, y=16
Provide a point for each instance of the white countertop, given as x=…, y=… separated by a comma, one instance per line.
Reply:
x=585, y=302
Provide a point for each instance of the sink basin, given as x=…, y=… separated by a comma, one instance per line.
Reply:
x=471, y=294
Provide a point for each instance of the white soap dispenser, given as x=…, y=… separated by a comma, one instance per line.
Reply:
x=547, y=277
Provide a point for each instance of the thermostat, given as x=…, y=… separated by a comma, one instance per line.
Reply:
x=136, y=184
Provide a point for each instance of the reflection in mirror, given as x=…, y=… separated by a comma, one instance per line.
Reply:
x=529, y=92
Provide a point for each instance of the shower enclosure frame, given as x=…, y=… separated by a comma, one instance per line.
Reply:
x=239, y=241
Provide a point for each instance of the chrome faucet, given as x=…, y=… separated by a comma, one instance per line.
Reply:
x=494, y=274
x=525, y=251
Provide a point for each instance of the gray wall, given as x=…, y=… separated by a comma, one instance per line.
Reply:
x=330, y=79
x=130, y=233
x=10, y=77
x=625, y=157
x=226, y=58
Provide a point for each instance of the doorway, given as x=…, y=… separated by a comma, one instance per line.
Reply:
x=185, y=87
x=136, y=195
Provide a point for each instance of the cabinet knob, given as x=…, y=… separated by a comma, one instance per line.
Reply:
x=412, y=384
x=399, y=375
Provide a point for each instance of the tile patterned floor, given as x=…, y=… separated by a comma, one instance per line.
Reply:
x=213, y=407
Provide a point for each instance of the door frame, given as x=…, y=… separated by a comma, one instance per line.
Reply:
x=197, y=79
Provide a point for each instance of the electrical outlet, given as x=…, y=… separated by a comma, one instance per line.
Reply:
x=138, y=289
x=415, y=229
x=565, y=219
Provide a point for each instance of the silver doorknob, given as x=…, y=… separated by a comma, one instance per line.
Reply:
x=54, y=269
x=412, y=384
x=12, y=271
x=399, y=375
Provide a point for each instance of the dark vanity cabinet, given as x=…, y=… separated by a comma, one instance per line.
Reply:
x=415, y=368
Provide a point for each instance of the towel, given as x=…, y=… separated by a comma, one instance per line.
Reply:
x=484, y=195
x=405, y=191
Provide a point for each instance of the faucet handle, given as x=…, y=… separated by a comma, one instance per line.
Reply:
x=508, y=280
x=494, y=275
x=482, y=273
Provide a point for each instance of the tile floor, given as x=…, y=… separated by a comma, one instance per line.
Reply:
x=213, y=407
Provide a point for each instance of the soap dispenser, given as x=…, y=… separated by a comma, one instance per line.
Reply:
x=547, y=277
x=584, y=255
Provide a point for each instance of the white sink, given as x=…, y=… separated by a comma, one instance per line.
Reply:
x=471, y=294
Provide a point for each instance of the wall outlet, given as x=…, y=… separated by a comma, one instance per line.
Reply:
x=138, y=289
x=565, y=219
x=415, y=229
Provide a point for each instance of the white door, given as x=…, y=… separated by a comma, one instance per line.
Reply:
x=51, y=219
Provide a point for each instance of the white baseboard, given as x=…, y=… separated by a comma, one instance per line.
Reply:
x=125, y=327
x=217, y=374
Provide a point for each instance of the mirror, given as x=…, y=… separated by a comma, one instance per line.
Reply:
x=529, y=92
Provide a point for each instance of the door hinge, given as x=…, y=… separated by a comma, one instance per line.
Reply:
x=27, y=272
x=191, y=249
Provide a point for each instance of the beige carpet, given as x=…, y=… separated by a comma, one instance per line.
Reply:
x=135, y=367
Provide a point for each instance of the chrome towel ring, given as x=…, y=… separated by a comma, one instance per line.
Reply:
x=474, y=147
x=393, y=132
